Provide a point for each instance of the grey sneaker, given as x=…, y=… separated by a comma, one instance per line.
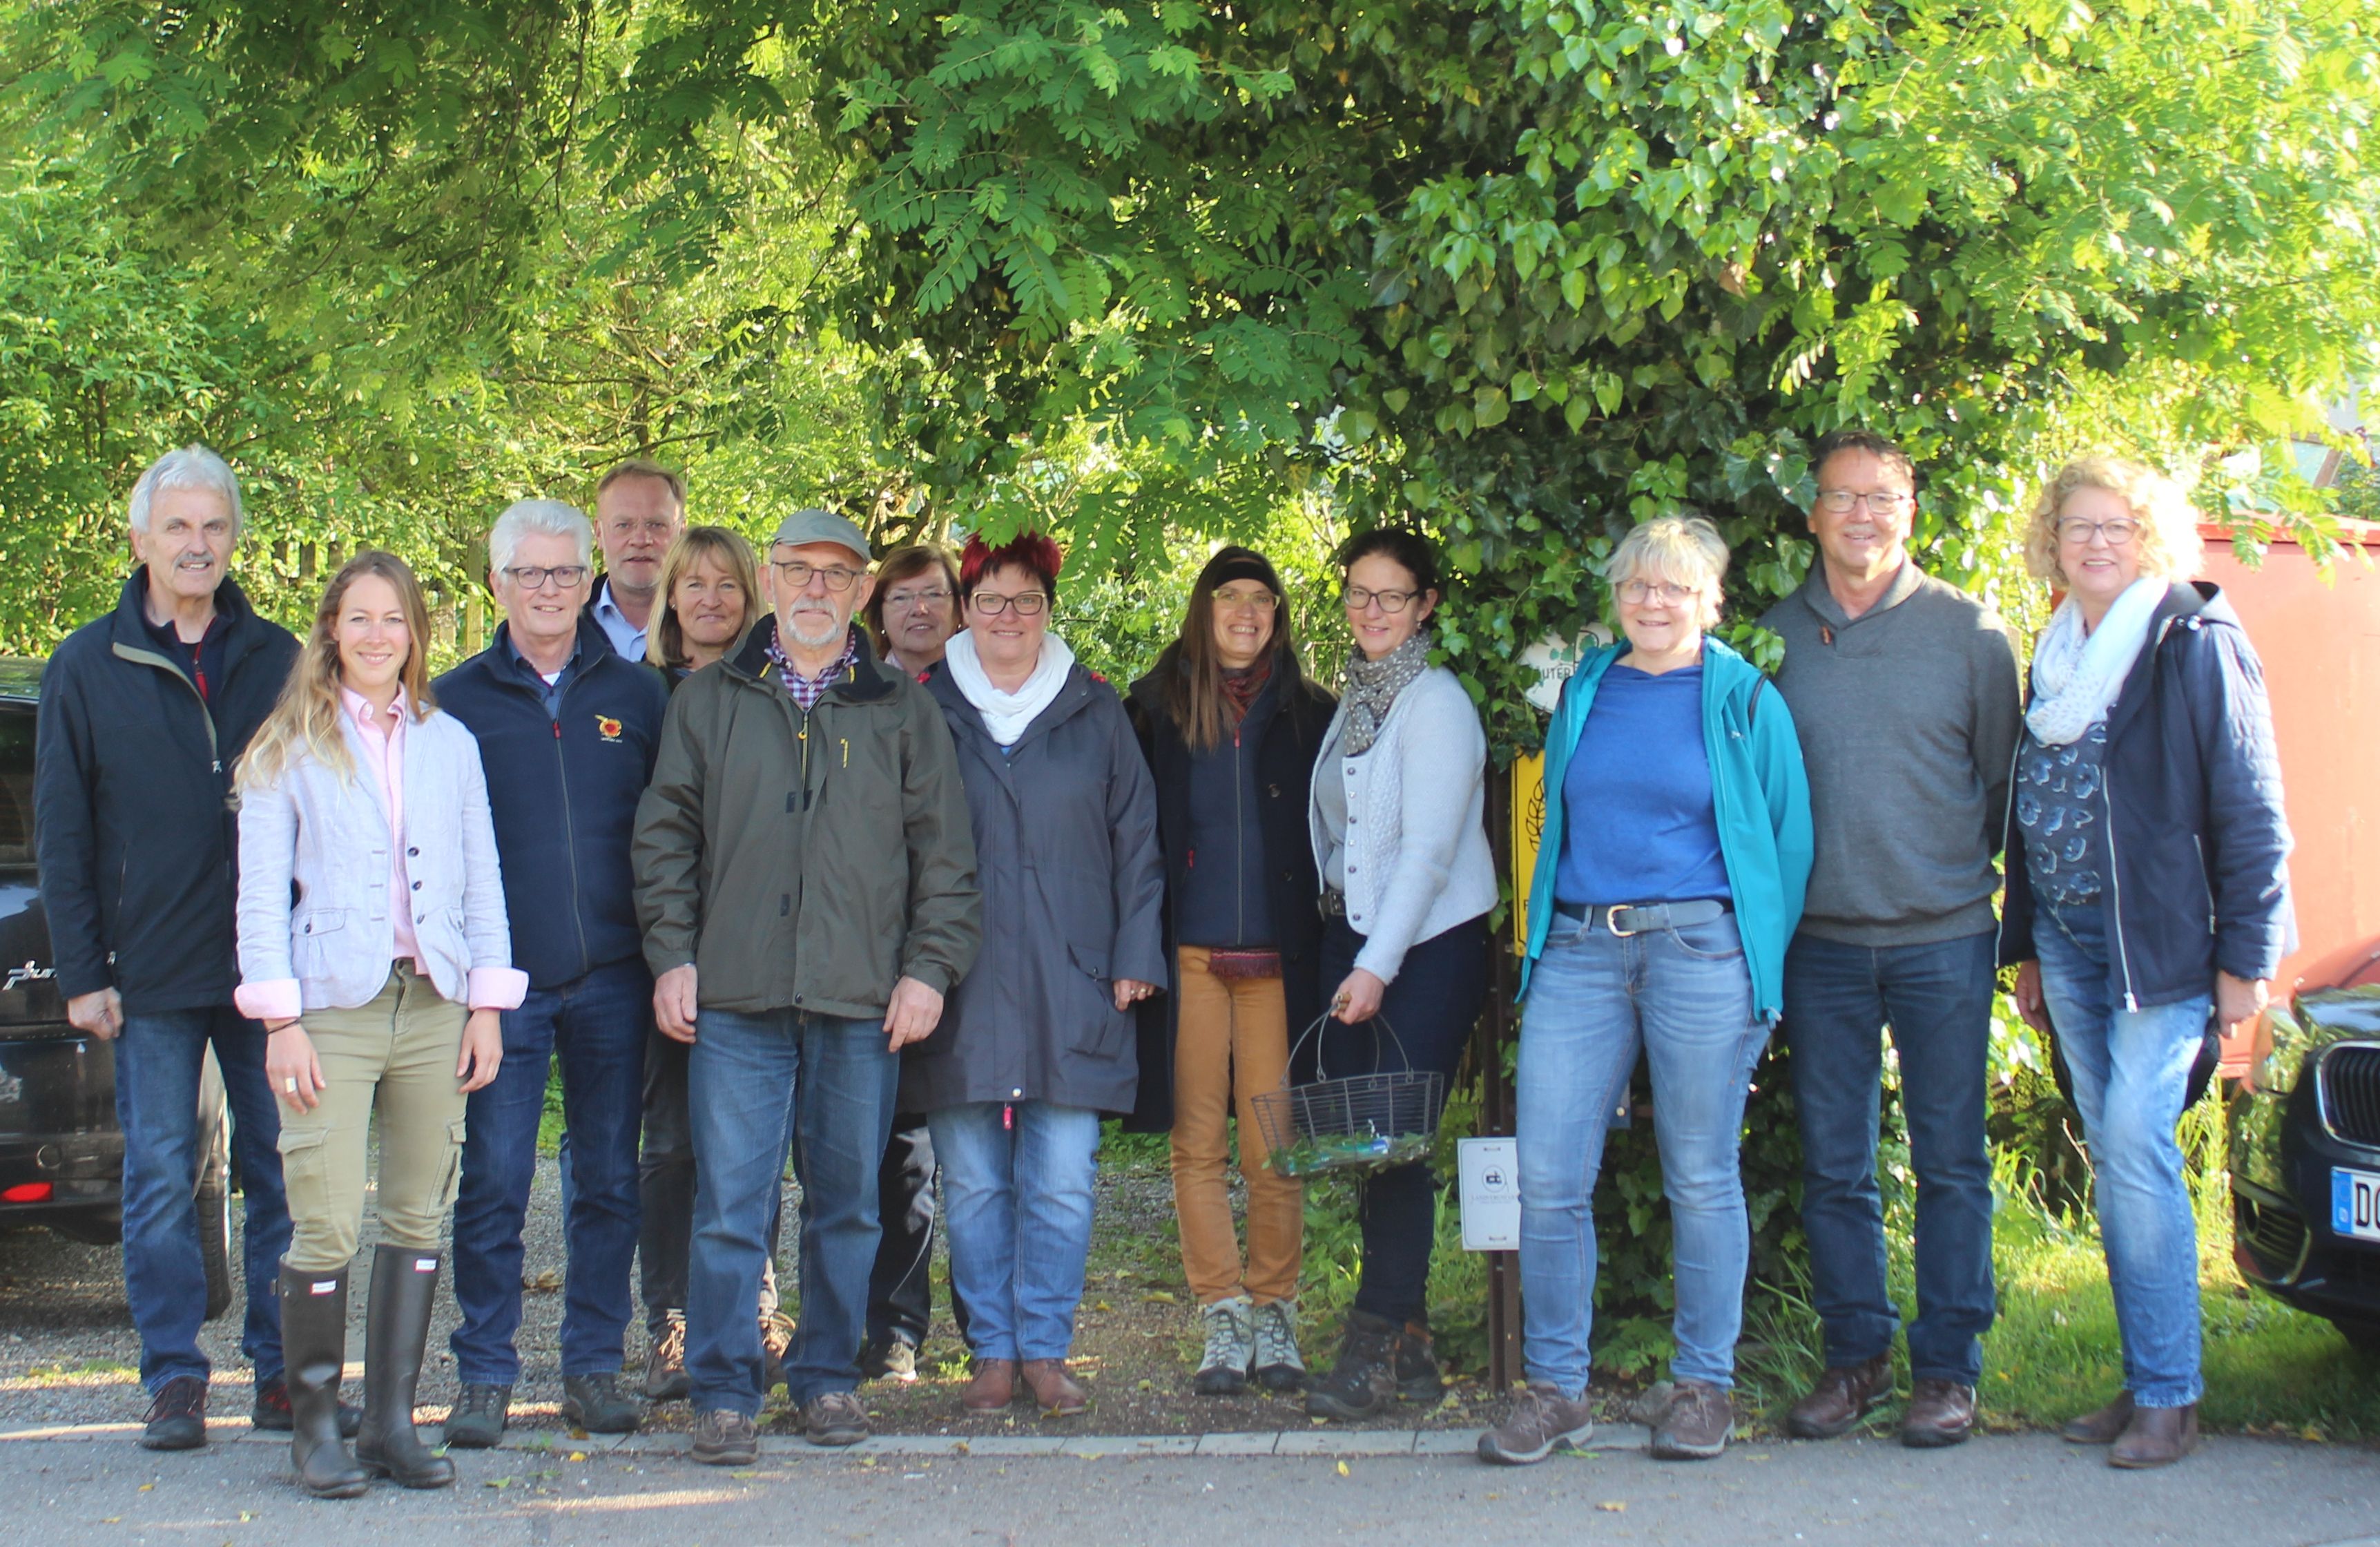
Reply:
x=725, y=1438
x=1696, y=1425
x=665, y=1378
x=597, y=1405
x=1541, y=1420
x=1279, y=1366
x=1230, y=1347
x=835, y=1418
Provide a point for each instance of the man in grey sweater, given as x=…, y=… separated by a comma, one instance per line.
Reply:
x=1904, y=693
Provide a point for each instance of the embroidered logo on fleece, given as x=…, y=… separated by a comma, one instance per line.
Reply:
x=608, y=727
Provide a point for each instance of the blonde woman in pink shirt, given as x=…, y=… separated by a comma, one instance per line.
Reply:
x=374, y=948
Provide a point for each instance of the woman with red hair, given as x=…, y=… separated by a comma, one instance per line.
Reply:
x=1036, y=1043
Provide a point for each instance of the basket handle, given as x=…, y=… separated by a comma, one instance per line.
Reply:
x=1324, y=1020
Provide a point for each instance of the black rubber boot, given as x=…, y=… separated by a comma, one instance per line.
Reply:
x=314, y=1344
x=397, y=1329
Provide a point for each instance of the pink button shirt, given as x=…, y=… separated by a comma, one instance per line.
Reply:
x=383, y=739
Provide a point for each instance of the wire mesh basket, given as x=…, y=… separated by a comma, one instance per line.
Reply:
x=1362, y=1122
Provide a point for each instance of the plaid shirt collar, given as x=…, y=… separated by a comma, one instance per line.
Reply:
x=808, y=690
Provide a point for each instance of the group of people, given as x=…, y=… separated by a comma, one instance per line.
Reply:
x=810, y=856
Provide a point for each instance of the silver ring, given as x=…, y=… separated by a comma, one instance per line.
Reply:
x=289, y=1086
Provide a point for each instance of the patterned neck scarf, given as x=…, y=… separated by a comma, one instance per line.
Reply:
x=808, y=690
x=1372, y=688
x=1241, y=688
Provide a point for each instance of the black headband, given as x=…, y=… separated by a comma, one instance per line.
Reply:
x=1239, y=567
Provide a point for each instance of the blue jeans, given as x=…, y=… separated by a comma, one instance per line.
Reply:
x=1683, y=996
x=2131, y=1070
x=1019, y=1216
x=755, y=1086
x=158, y=1061
x=596, y=1025
x=1937, y=999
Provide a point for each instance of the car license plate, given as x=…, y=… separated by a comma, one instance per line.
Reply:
x=2354, y=1204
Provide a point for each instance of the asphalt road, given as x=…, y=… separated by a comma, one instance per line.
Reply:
x=1998, y=1489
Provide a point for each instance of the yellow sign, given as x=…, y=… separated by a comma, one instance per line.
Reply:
x=1528, y=831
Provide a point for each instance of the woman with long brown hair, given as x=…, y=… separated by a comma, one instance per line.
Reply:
x=373, y=945
x=710, y=595
x=1231, y=726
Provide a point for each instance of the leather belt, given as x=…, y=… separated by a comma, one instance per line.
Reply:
x=1626, y=918
x=1333, y=903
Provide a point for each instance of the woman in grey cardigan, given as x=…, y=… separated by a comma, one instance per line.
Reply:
x=1400, y=840
x=1036, y=1041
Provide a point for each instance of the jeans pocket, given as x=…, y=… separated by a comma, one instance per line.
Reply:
x=452, y=1180
x=305, y=1169
x=1716, y=939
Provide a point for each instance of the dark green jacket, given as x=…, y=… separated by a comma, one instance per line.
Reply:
x=805, y=862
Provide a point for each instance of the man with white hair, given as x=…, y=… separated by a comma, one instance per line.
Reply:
x=568, y=731
x=143, y=712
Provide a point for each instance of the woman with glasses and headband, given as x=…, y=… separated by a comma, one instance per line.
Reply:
x=2147, y=889
x=1676, y=851
x=374, y=947
x=1231, y=726
x=1396, y=824
x=1036, y=1043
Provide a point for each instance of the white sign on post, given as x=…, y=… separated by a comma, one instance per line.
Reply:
x=1491, y=1194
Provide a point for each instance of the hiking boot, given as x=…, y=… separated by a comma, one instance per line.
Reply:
x=397, y=1333
x=1541, y=1419
x=477, y=1419
x=2104, y=1426
x=894, y=1357
x=992, y=1387
x=1696, y=1425
x=1418, y=1379
x=314, y=1344
x=725, y=1438
x=270, y=1412
x=1055, y=1392
x=177, y=1415
x=1844, y=1394
x=1279, y=1366
x=1230, y=1347
x=776, y=1338
x=665, y=1377
x=1941, y=1413
x=597, y=1405
x=835, y=1418
x=2157, y=1437
x=1364, y=1380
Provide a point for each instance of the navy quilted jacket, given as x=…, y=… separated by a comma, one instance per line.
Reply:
x=2197, y=835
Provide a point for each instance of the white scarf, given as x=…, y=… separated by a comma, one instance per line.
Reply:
x=2075, y=680
x=1005, y=715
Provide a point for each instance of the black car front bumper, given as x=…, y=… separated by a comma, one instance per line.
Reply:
x=61, y=1153
x=2289, y=1135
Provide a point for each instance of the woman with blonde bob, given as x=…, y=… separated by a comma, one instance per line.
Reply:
x=710, y=595
x=371, y=914
x=2147, y=889
x=1677, y=847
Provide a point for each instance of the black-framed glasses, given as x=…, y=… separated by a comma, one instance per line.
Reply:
x=1262, y=599
x=991, y=603
x=533, y=577
x=796, y=573
x=1879, y=501
x=1391, y=601
x=2119, y=532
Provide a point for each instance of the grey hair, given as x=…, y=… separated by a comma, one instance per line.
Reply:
x=551, y=517
x=192, y=467
x=1683, y=550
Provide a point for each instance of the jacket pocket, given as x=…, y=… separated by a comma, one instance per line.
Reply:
x=1093, y=963
x=316, y=937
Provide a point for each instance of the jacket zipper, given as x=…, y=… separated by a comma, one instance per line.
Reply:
x=2115, y=870
x=570, y=845
x=1238, y=843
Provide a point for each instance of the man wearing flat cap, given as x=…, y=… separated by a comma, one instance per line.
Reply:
x=806, y=883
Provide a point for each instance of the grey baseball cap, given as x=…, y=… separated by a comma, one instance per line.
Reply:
x=822, y=525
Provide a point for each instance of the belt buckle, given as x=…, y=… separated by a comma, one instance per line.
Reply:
x=1611, y=922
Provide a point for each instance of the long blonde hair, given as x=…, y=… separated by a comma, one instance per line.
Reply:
x=305, y=723
x=665, y=641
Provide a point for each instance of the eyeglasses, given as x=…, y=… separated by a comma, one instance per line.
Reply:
x=1637, y=593
x=933, y=598
x=1879, y=501
x=798, y=572
x=1391, y=601
x=532, y=577
x=2119, y=532
x=1259, y=601
x=991, y=603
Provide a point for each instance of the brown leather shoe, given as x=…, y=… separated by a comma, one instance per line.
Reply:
x=1054, y=1392
x=1844, y=1394
x=1941, y=1413
x=2157, y=1437
x=2104, y=1426
x=992, y=1388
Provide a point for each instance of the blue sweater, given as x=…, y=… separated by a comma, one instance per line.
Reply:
x=1642, y=752
x=562, y=785
x=1759, y=797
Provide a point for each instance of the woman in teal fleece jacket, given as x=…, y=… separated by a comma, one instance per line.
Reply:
x=1676, y=849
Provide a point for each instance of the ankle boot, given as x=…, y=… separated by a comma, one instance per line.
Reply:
x=314, y=1344
x=396, y=1328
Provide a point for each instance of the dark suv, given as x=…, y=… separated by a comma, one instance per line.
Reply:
x=61, y=1153
x=2305, y=1151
